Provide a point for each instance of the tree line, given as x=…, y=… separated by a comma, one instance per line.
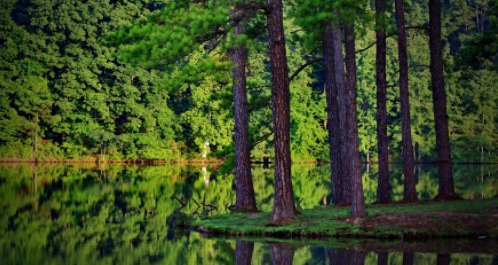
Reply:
x=184, y=63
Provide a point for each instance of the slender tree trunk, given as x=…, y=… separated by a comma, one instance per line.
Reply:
x=243, y=252
x=35, y=144
x=245, y=199
x=443, y=259
x=281, y=253
x=283, y=204
x=410, y=192
x=357, y=199
x=446, y=187
x=382, y=258
x=332, y=114
x=383, y=194
x=407, y=258
x=343, y=113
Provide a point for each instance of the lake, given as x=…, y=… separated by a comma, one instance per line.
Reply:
x=88, y=214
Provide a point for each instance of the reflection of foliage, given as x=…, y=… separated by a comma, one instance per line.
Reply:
x=66, y=214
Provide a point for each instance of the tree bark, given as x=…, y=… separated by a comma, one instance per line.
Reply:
x=383, y=194
x=410, y=192
x=446, y=187
x=281, y=253
x=357, y=198
x=343, y=112
x=283, y=204
x=382, y=258
x=243, y=253
x=332, y=114
x=245, y=199
x=407, y=258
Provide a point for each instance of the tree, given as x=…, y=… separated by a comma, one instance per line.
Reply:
x=383, y=195
x=355, y=180
x=344, y=105
x=446, y=187
x=283, y=204
x=410, y=192
x=333, y=125
x=245, y=200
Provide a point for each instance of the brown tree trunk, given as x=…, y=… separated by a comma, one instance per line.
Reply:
x=343, y=113
x=355, y=180
x=283, y=204
x=446, y=187
x=383, y=194
x=410, y=192
x=281, y=253
x=245, y=199
x=382, y=258
x=443, y=259
x=243, y=253
x=407, y=258
x=332, y=114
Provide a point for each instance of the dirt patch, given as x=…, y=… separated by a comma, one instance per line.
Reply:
x=449, y=222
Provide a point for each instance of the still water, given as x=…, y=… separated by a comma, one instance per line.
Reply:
x=68, y=214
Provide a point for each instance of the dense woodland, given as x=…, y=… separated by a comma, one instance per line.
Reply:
x=62, y=89
x=179, y=80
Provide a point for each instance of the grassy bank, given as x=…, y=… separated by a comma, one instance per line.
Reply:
x=470, y=218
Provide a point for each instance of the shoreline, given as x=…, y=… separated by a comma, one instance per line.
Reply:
x=456, y=219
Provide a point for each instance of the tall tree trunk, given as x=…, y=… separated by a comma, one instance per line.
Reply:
x=243, y=252
x=282, y=253
x=383, y=258
x=446, y=187
x=245, y=199
x=410, y=192
x=343, y=112
x=383, y=194
x=407, y=258
x=283, y=204
x=332, y=114
x=357, y=198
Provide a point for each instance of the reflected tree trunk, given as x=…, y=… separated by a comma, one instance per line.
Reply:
x=355, y=179
x=332, y=114
x=282, y=253
x=383, y=258
x=383, y=194
x=243, y=252
x=410, y=192
x=357, y=258
x=407, y=258
x=446, y=185
x=343, y=100
x=443, y=259
x=283, y=204
x=245, y=199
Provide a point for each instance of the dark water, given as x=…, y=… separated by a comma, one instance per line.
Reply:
x=58, y=214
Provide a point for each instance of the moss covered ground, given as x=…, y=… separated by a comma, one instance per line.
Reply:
x=468, y=218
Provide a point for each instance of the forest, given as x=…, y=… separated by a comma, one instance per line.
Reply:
x=67, y=95
x=199, y=80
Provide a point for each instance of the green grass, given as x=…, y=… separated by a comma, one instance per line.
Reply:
x=326, y=221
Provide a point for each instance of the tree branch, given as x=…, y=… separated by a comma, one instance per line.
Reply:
x=304, y=66
x=391, y=35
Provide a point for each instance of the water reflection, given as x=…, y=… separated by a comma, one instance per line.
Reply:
x=124, y=214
